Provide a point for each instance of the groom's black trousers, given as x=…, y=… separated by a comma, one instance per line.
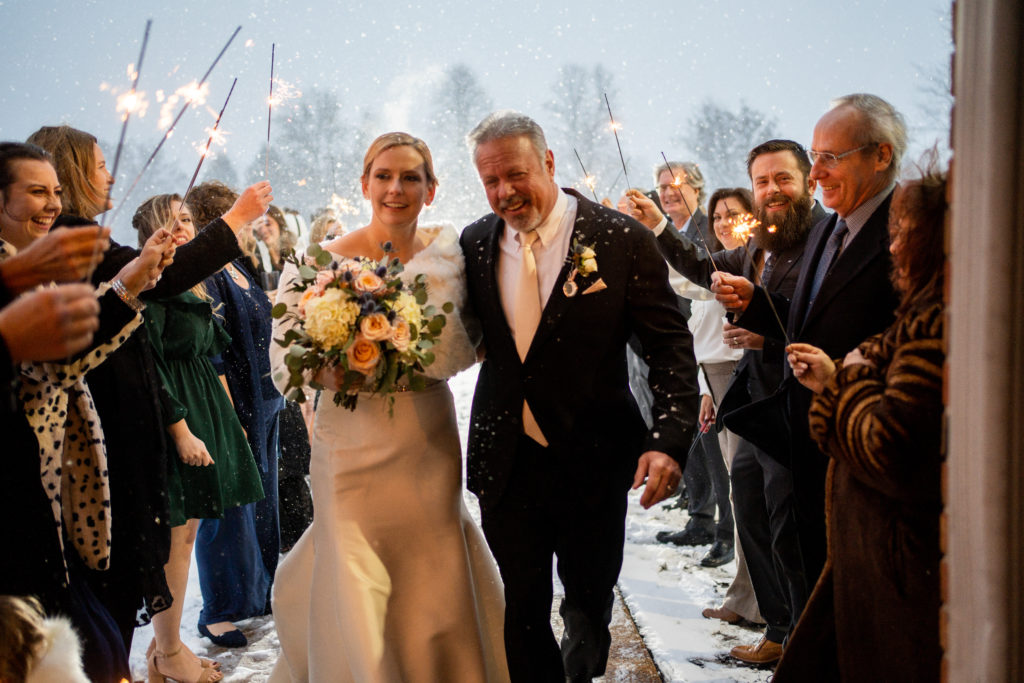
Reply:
x=571, y=505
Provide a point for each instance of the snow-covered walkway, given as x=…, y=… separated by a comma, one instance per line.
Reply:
x=664, y=589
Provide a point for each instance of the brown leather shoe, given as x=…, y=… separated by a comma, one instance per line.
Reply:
x=723, y=613
x=764, y=652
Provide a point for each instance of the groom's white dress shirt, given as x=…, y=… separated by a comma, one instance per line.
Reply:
x=549, y=250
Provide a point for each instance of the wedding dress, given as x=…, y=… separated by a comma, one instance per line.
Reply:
x=393, y=581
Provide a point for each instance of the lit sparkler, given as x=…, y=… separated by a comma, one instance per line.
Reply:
x=281, y=92
x=126, y=105
x=743, y=229
x=213, y=135
x=270, y=110
x=588, y=180
x=192, y=93
x=342, y=206
x=615, y=130
x=677, y=183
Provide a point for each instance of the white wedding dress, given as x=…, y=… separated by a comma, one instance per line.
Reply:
x=393, y=581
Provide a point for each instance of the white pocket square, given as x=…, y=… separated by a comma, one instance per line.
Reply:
x=596, y=287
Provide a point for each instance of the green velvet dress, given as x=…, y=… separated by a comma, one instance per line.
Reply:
x=184, y=333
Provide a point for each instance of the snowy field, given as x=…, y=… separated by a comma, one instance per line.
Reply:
x=664, y=587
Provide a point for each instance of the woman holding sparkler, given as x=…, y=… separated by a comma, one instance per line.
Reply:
x=126, y=388
x=214, y=470
x=393, y=581
x=878, y=415
x=56, y=443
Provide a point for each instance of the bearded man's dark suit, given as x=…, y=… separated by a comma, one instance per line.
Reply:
x=570, y=498
x=856, y=300
x=762, y=486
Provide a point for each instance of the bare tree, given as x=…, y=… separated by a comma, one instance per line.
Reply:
x=935, y=107
x=720, y=139
x=581, y=123
x=315, y=153
x=218, y=166
x=164, y=176
x=459, y=103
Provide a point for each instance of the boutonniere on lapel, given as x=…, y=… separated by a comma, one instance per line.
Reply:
x=584, y=263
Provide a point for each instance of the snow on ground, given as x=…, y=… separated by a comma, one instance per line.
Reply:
x=664, y=587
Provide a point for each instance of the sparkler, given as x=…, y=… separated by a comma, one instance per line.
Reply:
x=743, y=229
x=615, y=131
x=195, y=93
x=127, y=103
x=209, y=141
x=270, y=110
x=588, y=179
x=677, y=180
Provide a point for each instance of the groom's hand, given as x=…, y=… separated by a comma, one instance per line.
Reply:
x=662, y=474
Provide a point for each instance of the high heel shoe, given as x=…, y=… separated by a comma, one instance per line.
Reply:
x=205, y=674
x=207, y=663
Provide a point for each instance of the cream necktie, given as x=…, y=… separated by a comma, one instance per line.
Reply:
x=527, y=318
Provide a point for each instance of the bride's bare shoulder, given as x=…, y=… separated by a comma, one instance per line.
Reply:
x=350, y=245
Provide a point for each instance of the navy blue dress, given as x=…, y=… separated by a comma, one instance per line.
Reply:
x=237, y=555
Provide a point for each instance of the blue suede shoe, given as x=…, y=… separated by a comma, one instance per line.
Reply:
x=233, y=638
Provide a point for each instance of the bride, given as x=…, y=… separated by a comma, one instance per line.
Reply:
x=393, y=581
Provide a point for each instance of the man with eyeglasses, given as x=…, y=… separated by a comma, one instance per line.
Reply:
x=843, y=294
x=762, y=484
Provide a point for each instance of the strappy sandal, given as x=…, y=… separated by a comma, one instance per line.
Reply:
x=206, y=674
x=207, y=663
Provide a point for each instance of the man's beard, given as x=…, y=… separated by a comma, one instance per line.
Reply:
x=791, y=227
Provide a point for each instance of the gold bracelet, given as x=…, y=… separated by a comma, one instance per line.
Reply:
x=123, y=294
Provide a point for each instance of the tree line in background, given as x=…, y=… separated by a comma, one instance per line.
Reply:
x=317, y=153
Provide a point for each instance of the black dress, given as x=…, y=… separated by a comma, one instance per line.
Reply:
x=132, y=407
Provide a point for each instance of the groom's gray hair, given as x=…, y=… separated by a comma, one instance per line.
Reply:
x=507, y=123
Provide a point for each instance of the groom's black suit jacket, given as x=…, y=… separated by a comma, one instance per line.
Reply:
x=574, y=375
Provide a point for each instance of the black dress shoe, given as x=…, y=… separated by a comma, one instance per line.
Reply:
x=688, y=536
x=721, y=552
x=232, y=638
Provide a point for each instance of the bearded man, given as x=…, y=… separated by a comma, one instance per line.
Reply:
x=762, y=483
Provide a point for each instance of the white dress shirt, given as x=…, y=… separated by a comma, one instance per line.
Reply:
x=550, y=251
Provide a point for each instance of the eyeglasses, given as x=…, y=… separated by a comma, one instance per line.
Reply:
x=830, y=160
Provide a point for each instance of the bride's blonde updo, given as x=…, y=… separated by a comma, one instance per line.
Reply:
x=389, y=140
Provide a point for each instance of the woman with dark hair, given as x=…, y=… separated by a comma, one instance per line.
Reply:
x=55, y=440
x=874, y=614
x=214, y=470
x=126, y=389
x=237, y=554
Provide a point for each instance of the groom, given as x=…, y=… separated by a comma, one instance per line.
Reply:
x=560, y=285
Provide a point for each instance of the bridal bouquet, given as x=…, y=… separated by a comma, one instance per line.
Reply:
x=359, y=316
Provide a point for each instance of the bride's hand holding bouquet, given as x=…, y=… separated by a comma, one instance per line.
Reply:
x=358, y=327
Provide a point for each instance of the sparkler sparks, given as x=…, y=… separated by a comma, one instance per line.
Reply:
x=270, y=111
x=615, y=130
x=743, y=228
x=282, y=92
x=218, y=138
x=126, y=104
x=677, y=183
x=342, y=206
x=213, y=134
x=132, y=102
x=191, y=93
x=588, y=180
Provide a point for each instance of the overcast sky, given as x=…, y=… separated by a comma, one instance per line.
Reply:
x=786, y=58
